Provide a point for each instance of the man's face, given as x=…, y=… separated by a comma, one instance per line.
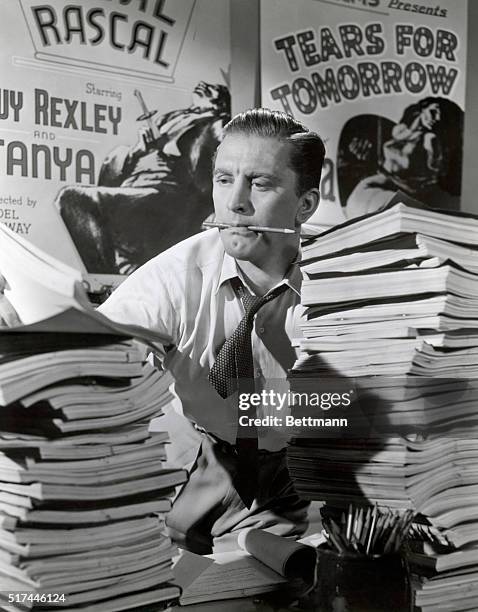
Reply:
x=253, y=185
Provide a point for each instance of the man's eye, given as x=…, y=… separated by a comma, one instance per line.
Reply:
x=261, y=186
x=222, y=180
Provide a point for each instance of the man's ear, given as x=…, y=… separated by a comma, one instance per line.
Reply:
x=308, y=203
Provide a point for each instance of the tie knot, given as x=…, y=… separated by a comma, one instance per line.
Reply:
x=252, y=303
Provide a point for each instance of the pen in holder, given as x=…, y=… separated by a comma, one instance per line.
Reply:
x=360, y=569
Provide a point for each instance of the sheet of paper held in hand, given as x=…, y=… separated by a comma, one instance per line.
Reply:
x=49, y=296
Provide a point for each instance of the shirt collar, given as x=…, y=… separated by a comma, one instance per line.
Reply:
x=229, y=270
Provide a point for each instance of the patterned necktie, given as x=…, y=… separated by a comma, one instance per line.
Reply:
x=234, y=361
x=234, y=369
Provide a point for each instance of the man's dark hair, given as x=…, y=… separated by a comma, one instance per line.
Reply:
x=307, y=149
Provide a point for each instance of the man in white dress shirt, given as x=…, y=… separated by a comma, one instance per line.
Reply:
x=266, y=173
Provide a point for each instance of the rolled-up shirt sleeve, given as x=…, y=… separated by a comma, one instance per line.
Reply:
x=145, y=298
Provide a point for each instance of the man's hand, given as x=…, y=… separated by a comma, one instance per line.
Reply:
x=8, y=314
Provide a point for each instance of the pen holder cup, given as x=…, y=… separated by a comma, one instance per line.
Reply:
x=356, y=583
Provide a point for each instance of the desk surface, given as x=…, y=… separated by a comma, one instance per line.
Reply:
x=246, y=604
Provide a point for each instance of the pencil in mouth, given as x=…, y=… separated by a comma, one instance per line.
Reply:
x=254, y=228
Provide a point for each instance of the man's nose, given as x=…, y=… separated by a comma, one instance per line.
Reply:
x=240, y=200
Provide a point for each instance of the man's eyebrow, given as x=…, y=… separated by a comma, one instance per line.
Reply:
x=259, y=174
x=221, y=171
x=250, y=175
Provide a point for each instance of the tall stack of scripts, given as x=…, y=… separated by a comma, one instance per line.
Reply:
x=391, y=317
x=84, y=487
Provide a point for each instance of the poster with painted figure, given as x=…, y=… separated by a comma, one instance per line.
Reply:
x=383, y=82
x=110, y=111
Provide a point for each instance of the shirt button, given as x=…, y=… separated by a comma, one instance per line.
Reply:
x=258, y=373
x=261, y=330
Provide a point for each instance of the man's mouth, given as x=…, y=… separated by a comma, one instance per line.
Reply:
x=240, y=229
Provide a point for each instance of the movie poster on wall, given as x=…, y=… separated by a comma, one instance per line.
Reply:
x=383, y=82
x=109, y=113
